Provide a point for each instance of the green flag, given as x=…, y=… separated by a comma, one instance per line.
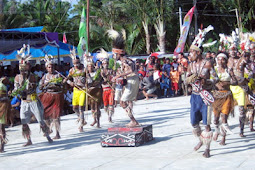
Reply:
x=83, y=43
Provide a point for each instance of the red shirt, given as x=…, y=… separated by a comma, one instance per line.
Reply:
x=142, y=72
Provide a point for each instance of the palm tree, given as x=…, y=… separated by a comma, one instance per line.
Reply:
x=141, y=10
x=134, y=43
x=11, y=17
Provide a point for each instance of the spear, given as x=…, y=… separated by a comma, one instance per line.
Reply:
x=77, y=86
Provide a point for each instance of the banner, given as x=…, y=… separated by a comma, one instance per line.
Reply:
x=184, y=31
x=64, y=38
x=83, y=43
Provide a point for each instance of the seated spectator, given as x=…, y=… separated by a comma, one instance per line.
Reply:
x=174, y=76
x=141, y=71
x=68, y=101
x=15, y=108
x=140, y=94
x=148, y=87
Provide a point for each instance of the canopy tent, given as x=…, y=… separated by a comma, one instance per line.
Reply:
x=64, y=51
x=27, y=29
x=11, y=41
x=41, y=43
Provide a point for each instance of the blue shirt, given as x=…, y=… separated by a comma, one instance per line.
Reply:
x=14, y=101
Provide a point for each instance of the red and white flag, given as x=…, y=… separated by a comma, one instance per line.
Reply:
x=64, y=38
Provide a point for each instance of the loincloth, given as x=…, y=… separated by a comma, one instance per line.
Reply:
x=223, y=102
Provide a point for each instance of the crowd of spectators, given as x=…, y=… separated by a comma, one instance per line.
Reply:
x=162, y=77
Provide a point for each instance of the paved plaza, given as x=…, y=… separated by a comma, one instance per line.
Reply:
x=172, y=147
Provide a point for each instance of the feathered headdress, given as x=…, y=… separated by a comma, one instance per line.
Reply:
x=119, y=39
x=247, y=41
x=102, y=55
x=197, y=43
x=73, y=54
x=24, y=56
x=229, y=41
x=48, y=60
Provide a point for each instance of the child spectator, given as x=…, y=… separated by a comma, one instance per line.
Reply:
x=15, y=107
x=174, y=63
x=174, y=76
x=141, y=70
x=165, y=84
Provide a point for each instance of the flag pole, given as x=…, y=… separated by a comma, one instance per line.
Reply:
x=88, y=24
x=87, y=55
x=180, y=19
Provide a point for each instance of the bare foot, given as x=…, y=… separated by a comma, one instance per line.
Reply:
x=81, y=129
x=242, y=135
x=57, y=137
x=2, y=148
x=92, y=124
x=110, y=119
x=206, y=154
x=215, y=137
x=28, y=143
x=222, y=142
x=132, y=124
x=49, y=139
x=252, y=130
x=198, y=146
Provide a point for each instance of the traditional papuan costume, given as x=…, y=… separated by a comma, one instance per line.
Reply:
x=4, y=111
x=250, y=100
x=247, y=44
x=78, y=74
x=239, y=90
x=223, y=100
x=202, y=77
x=52, y=97
x=94, y=80
x=25, y=86
x=108, y=90
x=129, y=73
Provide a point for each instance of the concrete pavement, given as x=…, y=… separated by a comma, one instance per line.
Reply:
x=172, y=147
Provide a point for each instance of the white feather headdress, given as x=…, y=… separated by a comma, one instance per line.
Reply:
x=48, y=59
x=73, y=54
x=201, y=36
x=102, y=55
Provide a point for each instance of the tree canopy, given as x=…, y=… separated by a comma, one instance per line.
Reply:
x=148, y=23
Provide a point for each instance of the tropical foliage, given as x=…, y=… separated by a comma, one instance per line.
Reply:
x=151, y=25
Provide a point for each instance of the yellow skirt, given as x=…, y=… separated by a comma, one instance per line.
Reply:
x=238, y=95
